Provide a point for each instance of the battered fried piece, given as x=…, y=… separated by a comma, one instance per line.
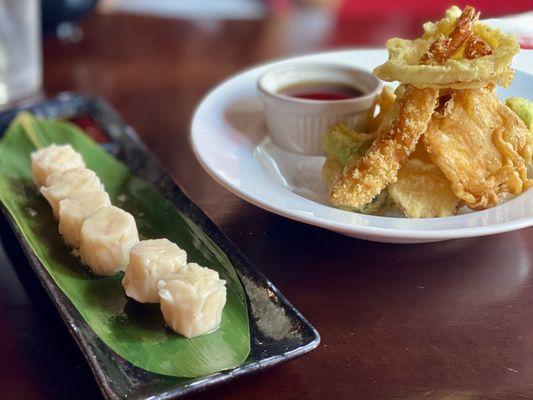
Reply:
x=446, y=46
x=422, y=190
x=476, y=47
x=360, y=183
x=481, y=146
x=458, y=72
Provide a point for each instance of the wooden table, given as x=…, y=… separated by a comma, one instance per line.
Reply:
x=451, y=320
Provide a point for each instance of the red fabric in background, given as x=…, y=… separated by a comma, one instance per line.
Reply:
x=371, y=23
x=428, y=9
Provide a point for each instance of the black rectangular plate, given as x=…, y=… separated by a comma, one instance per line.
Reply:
x=278, y=331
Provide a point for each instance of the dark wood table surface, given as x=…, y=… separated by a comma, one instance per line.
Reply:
x=449, y=320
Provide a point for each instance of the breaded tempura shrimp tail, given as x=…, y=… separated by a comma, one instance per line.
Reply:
x=446, y=46
x=476, y=47
x=360, y=184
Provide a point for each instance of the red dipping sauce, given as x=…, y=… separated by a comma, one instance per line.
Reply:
x=324, y=91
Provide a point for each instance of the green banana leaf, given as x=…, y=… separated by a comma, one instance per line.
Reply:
x=135, y=331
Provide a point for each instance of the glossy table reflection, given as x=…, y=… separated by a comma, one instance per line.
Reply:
x=450, y=320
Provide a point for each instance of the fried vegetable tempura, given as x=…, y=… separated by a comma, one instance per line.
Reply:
x=523, y=108
x=360, y=183
x=474, y=151
x=343, y=146
x=481, y=146
x=422, y=190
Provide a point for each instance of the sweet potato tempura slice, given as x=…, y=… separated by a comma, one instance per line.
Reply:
x=422, y=190
x=481, y=146
x=360, y=183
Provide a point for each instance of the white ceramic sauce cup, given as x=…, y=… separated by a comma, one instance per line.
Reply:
x=298, y=125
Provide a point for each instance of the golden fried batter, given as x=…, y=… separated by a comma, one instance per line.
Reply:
x=481, y=146
x=360, y=183
x=422, y=190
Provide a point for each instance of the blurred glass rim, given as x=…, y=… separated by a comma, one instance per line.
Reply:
x=20, y=51
x=190, y=9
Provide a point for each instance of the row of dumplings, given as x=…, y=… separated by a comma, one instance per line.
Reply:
x=155, y=271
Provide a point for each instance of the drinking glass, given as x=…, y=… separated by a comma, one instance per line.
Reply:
x=20, y=49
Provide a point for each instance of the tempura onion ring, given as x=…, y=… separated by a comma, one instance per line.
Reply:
x=457, y=72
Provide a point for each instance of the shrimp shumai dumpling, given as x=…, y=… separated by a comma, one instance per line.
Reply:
x=107, y=235
x=151, y=261
x=192, y=300
x=54, y=158
x=63, y=184
x=75, y=209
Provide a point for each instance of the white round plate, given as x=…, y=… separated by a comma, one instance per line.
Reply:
x=229, y=138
